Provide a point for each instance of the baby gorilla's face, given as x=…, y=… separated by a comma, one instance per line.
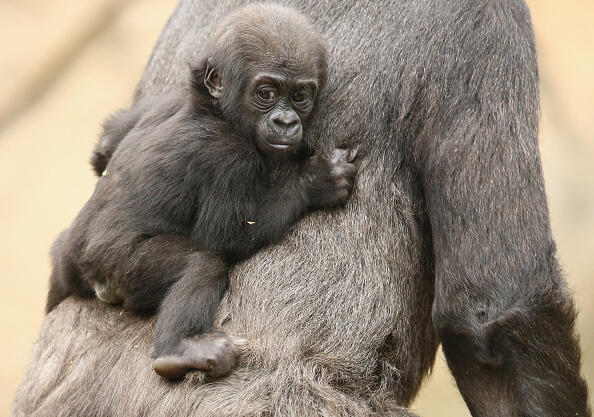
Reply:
x=265, y=67
x=281, y=106
x=272, y=104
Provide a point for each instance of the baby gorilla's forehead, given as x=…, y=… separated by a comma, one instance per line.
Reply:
x=269, y=38
x=289, y=66
x=268, y=27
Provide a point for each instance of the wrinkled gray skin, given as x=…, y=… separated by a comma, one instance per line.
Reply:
x=448, y=229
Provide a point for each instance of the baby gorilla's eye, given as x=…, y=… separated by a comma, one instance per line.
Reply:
x=300, y=96
x=267, y=94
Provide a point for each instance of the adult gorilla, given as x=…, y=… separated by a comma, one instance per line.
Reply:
x=447, y=236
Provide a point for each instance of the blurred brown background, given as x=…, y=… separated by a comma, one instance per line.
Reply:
x=66, y=64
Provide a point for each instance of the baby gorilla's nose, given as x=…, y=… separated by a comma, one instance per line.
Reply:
x=285, y=122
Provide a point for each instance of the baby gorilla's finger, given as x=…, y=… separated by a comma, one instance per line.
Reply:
x=339, y=155
x=353, y=153
x=350, y=169
x=342, y=197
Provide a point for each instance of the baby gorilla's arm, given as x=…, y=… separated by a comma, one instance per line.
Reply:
x=115, y=128
x=322, y=182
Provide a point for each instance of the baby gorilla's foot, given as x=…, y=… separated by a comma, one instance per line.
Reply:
x=212, y=353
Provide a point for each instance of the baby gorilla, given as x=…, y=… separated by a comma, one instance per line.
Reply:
x=197, y=181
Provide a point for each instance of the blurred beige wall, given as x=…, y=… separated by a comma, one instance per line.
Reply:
x=66, y=64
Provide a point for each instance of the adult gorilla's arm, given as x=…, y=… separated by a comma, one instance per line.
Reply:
x=501, y=306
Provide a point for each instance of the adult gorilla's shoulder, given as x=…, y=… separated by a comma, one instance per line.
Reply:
x=449, y=212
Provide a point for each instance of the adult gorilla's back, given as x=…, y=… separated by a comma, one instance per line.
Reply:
x=449, y=210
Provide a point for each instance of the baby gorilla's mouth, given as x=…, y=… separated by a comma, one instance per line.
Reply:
x=280, y=145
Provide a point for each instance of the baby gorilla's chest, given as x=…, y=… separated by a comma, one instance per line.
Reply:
x=225, y=215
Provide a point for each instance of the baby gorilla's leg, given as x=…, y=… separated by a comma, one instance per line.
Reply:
x=185, y=314
x=150, y=267
x=65, y=277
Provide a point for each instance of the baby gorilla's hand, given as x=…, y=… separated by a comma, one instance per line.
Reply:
x=213, y=353
x=330, y=178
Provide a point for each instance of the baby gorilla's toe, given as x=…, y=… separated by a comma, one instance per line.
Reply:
x=212, y=353
x=173, y=366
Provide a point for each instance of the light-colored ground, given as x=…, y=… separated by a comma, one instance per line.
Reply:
x=66, y=64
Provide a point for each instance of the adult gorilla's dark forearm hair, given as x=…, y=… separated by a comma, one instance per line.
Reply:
x=441, y=97
x=501, y=307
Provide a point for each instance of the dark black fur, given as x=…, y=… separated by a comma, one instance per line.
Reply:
x=201, y=179
x=446, y=235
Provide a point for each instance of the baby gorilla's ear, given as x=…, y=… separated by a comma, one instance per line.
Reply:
x=212, y=81
x=205, y=78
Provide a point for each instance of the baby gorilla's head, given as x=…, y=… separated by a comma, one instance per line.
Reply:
x=264, y=68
